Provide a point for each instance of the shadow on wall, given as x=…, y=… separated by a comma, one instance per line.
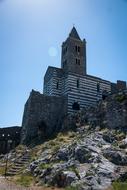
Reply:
x=42, y=129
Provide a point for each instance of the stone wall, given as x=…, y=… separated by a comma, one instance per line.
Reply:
x=119, y=86
x=43, y=116
x=115, y=111
x=9, y=138
x=110, y=113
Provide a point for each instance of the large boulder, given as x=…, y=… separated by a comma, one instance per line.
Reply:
x=109, y=137
x=65, y=178
x=82, y=154
x=115, y=157
x=63, y=154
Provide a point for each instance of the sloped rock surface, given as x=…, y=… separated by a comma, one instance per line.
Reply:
x=88, y=162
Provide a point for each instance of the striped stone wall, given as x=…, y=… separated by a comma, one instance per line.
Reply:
x=84, y=90
x=53, y=82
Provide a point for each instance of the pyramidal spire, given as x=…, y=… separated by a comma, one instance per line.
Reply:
x=74, y=33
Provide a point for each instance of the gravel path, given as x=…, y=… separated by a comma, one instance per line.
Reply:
x=5, y=184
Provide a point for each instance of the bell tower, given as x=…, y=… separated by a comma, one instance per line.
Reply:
x=73, y=58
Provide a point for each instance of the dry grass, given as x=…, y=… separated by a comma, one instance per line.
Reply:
x=6, y=184
x=2, y=170
x=54, y=144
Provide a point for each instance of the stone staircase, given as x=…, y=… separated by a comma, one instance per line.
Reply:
x=19, y=164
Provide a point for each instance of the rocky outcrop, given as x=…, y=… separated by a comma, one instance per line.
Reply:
x=116, y=156
x=88, y=162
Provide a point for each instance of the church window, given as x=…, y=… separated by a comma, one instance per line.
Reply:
x=98, y=87
x=77, y=61
x=77, y=49
x=78, y=83
x=57, y=85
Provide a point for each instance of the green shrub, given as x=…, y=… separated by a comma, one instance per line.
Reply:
x=119, y=186
x=120, y=98
x=45, y=166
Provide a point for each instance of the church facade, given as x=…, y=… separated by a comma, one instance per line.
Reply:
x=72, y=80
x=66, y=90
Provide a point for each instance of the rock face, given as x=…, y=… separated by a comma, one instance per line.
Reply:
x=43, y=115
x=82, y=154
x=116, y=157
x=87, y=162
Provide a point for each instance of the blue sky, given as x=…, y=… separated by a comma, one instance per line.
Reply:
x=30, y=29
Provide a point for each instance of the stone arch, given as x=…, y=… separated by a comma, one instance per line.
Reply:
x=76, y=106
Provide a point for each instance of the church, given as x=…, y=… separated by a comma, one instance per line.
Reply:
x=72, y=80
x=66, y=90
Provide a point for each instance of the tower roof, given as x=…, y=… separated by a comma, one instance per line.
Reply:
x=74, y=33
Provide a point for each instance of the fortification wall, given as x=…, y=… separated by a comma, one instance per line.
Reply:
x=110, y=113
x=43, y=116
x=9, y=138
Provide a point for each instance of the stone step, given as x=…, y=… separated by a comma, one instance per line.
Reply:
x=25, y=159
x=12, y=173
x=24, y=162
x=14, y=170
x=26, y=156
x=18, y=165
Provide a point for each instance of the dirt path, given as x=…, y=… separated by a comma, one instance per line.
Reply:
x=6, y=184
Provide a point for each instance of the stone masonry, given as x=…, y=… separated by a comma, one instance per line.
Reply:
x=9, y=138
x=43, y=116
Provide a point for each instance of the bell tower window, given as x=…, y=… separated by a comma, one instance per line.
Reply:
x=77, y=61
x=77, y=49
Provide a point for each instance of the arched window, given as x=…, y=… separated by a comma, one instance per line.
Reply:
x=57, y=85
x=98, y=87
x=77, y=61
x=77, y=83
x=76, y=106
